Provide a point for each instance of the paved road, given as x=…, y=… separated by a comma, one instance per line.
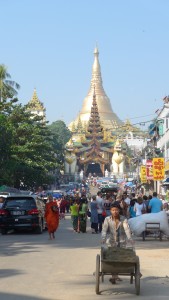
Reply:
x=32, y=268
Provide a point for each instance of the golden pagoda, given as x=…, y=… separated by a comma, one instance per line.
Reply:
x=98, y=142
x=108, y=118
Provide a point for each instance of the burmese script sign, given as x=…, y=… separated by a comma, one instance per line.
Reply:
x=149, y=169
x=158, y=168
x=143, y=175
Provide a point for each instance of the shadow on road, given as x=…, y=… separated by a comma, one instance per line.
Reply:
x=159, y=287
x=10, y=272
x=8, y=296
x=19, y=243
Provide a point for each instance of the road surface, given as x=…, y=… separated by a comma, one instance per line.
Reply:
x=32, y=268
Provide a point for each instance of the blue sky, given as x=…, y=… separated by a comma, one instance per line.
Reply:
x=49, y=45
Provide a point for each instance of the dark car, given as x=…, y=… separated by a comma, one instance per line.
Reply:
x=22, y=212
x=111, y=191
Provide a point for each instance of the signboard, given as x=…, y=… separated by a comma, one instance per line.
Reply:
x=143, y=175
x=149, y=169
x=158, y=168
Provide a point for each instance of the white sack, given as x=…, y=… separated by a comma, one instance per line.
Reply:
x=137, y=224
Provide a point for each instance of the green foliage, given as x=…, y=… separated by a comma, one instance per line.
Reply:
x=28, y=151
x=8, y=88
x=61, y=135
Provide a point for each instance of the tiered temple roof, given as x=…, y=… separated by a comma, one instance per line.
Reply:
x=93, y=138
x=35, y=104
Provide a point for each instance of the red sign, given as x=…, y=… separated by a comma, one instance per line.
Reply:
x=149, y=169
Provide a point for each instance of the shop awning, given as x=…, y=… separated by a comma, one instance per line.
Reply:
x=166, y=181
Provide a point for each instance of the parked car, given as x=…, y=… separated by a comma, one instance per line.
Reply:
x=22, y=212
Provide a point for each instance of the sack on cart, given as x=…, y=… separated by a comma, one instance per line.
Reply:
x=138, y=224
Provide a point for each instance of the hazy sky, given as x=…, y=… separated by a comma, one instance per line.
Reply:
x=48, y=44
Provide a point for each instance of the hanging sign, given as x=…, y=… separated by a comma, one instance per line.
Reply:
x=149, y=169
x=143, y=175
x=158, y=168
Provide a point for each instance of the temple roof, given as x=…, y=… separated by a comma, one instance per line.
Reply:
x=35, y=103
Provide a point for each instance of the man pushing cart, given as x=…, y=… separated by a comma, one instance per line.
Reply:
x=116, y=256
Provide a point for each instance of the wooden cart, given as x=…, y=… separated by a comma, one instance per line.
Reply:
x=152, y=228
x=118, y=261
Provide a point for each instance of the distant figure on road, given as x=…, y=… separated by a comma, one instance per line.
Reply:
x=100, y=209
x=155, y=204
x=139, y=207
x=94, y=215
x=52, y=217
x=74, y=215
x=82, y=215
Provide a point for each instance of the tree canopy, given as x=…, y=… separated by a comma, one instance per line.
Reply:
x=27, y=153
x=30, y=149
x=61, y=135
x=8, y=87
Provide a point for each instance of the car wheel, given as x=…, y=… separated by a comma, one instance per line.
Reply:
x=3, y=231
x=40, y=228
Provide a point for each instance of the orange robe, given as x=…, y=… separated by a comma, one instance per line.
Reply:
x=52, y=218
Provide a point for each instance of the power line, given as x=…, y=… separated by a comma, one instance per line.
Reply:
x=138, y=117
x=139, y=123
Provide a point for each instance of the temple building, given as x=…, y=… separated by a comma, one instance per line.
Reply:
x=99, y=138
x=92, y=146
x=92, y=151
x=36, y=107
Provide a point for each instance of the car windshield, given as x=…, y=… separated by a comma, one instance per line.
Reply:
x=22, y=203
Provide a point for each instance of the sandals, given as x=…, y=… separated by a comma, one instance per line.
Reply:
x=112, y=280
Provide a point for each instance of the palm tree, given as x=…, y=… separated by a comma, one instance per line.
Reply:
x=8, y=88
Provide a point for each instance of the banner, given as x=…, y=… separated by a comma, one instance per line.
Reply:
x=143, y=176
x=149, y=169
x=158, y=168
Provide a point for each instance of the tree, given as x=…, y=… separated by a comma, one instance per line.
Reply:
x=8, y=87
x=27, y=152
x=60, y=129
x=61, y=135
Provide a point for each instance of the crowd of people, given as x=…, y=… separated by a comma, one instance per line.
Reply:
x=99, y=207
x=129, y=206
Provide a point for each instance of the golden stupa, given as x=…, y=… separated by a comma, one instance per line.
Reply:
x=108, y=118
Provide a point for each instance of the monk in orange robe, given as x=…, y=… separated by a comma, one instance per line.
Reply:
x=52, y=217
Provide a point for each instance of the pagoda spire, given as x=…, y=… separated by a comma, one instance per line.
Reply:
x=96, y=71
x=94, y=125
x=35, y=102
x=79, y=125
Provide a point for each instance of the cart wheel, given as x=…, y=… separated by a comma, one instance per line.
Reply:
x=102, y=277
x=144, y=235
x=97, y=273
x=161, y=236
x=131, y=279
x=137, y=277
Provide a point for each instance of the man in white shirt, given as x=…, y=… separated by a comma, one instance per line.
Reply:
x=126, y=199
x=100, y=209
